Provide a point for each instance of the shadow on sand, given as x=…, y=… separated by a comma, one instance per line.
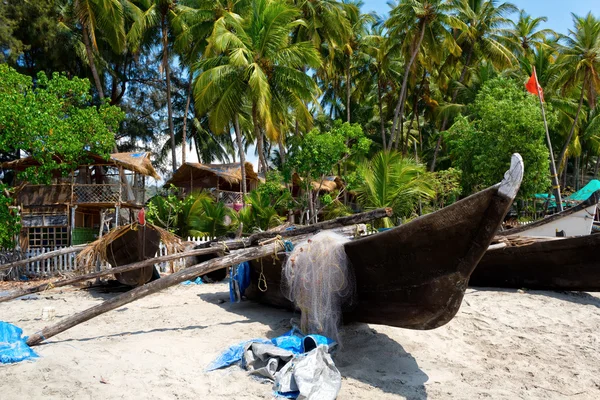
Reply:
x=366, y=356
x=583, y=298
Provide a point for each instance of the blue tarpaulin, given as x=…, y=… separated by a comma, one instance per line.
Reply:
x=292, y=340
x=585, y=192
x=13, y=347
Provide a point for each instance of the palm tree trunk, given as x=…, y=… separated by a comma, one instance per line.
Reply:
x=348, y=90
x=454, y=96
x=259, y=140
x=185, y=117
x=572, y=131
x=400, y=106
x=381, y=121
x=238, y=139
x=281, y=149
x=165, y=44
x=90, y=55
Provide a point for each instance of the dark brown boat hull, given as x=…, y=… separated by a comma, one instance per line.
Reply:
x=135, y=245
x=565, y=264
x=413, y=276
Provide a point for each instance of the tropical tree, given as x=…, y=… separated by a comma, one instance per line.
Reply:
x=252, y=59
x=157, y=14
x=94, y=18
x=390, y=180
x=416, y=21
x=525, y=36
x=480, y=27
x=578, y=64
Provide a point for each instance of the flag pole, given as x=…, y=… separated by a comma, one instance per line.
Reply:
x=555, y=184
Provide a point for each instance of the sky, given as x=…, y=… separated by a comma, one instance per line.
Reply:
x=558, y=13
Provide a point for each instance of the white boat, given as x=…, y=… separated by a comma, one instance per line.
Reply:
x=574, y=221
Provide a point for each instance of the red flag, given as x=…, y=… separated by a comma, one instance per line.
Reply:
x=532, y=84
x=142, y=217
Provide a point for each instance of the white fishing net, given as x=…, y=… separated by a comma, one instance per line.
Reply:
x=318, y=280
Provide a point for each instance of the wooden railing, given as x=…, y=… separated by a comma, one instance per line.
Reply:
x=229, y=197
x=79, y=193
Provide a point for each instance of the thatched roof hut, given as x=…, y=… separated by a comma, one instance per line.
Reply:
x=225, y=177
x=329, y=184
x=136, y=162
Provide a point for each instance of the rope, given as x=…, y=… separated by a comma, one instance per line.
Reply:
x=262, y=281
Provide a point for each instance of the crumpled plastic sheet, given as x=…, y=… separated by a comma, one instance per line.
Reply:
x=310, y=376
x=299, y=365
x=13, y=347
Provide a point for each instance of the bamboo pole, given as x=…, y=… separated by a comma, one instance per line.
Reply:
x=555, y=183
x=153, y=287
x=50, y=254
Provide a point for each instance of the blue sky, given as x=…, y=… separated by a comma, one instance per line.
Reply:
x=558, y=12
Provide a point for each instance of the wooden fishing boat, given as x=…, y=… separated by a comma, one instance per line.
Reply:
x=571, y=263
x=135, y=245
x=415, y=275
x=574, y=221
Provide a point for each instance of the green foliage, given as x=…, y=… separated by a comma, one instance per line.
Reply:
x=446, y=185
x=504, y=119
x=208, y=217
x=393, y=181
x=194, y=215
x=54, y=117
x=11, y=222
x=273, y=189
x=261, y=211
x=320, y=151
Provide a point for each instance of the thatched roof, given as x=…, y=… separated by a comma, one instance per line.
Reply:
x=228, y=172
x=137, y=162
x=329, y=184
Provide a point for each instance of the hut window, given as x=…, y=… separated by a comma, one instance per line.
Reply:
x=51, y=236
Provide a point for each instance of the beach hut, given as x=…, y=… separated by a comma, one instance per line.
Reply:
x=75, y=209
x=224, y=181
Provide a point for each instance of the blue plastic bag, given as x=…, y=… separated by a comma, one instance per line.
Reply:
x=197, y=281
x=239, y=280
x=13, y=347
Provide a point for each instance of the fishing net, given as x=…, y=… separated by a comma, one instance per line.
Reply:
x=318, y=279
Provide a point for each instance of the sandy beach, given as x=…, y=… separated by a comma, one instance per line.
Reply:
x=503, y=344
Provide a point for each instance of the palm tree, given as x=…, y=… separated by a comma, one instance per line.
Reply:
x=393, y=181
x=257, y=48
x=478, y=35
x=524, y=36
x=162, y=14
x=579, y=62
x=410, y=23
x=379, y=64
x=105, y=18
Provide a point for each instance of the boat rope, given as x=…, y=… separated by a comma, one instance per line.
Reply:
x=262, y=281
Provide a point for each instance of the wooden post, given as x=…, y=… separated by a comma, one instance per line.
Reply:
x=153, y=287
x=555, y=183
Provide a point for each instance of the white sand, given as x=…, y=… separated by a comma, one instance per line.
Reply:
x=501, y=345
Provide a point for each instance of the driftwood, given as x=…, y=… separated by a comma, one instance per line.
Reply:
x=254, y=239
x=110, y=271
x=153, y=287
x=330, y=224
x=50, y=254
